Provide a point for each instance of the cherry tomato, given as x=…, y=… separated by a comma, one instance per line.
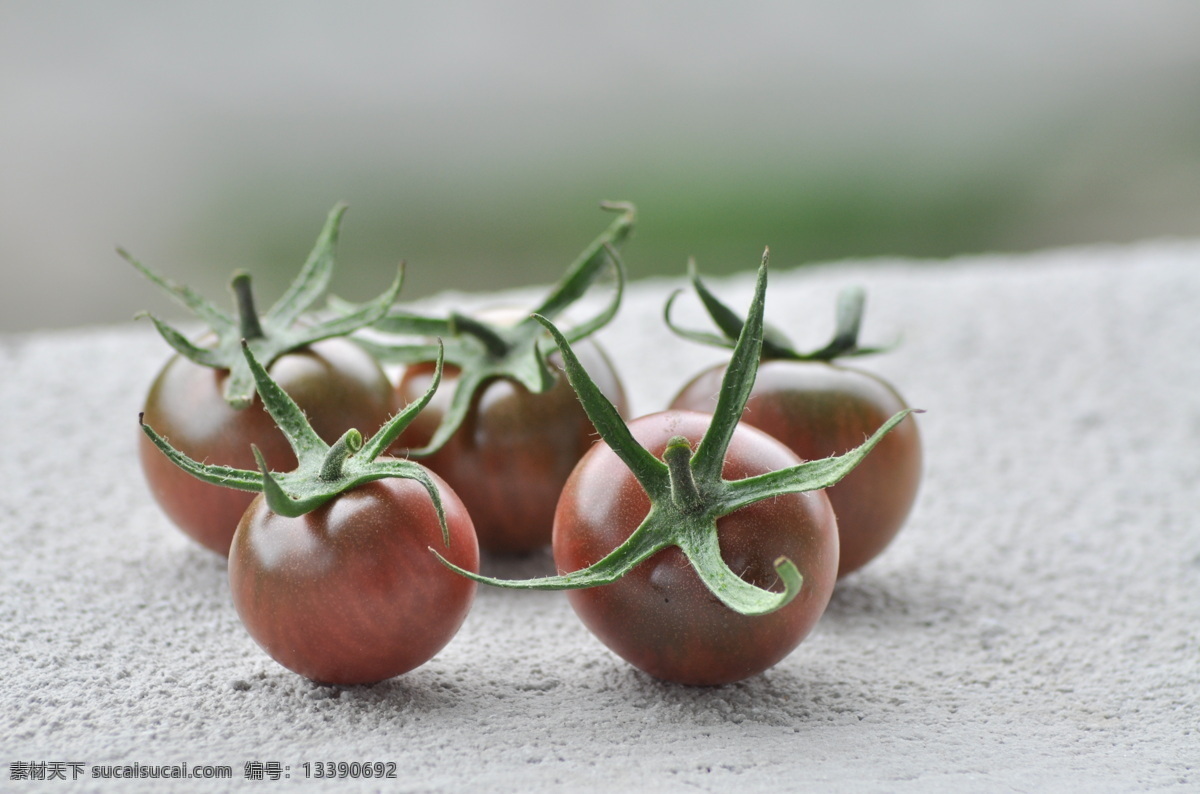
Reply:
x=336, y=383
x=660, y=617
x=349, y=593
x=511, y=456
x=818, y=410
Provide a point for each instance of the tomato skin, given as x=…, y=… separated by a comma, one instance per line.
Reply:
x=337, y=384
x=660, y=617
x=819, y=409
x=349, y=593
x=515, y=449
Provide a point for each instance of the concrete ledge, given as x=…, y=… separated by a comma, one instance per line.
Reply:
x=1035, y=627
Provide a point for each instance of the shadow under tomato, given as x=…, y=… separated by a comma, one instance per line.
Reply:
x=779, y=697
x=418, y=691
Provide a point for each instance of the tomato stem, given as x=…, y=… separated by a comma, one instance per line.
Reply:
x=244, y=297
x=484, y=351
x=496, y=345
x=684, y=493
x=335, y=459
x=288, y=325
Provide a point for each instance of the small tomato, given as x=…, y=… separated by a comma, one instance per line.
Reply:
x=204, y=398
x=508, y=433
x=336, y=383
x=348, y=593
x=329, y=566
x=514, y=450
x=699, y=549
x=660, y=616
x=819, y=408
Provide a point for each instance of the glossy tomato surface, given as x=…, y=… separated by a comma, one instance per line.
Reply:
x=661, y=617
x=336, y=383
x=349, y=593
x=819, y=410
x=515, y=449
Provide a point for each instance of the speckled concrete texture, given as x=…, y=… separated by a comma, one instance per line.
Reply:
x=1035, y=627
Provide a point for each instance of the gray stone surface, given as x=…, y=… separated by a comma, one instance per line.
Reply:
x=1036, y=626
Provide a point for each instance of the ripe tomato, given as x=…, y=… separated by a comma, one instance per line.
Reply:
x=818, y=410
x=506, y=429
x=336, y=383
x=349, y=593
x=511, y=456
x=660, y=616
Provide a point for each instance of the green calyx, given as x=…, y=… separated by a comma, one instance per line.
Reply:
x=850, y=304
x=686, y=490
x=482, y=350
x=323, y=471
x=285, y=327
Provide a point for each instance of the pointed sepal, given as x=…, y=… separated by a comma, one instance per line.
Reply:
x=736, y=385
x=482, y=351
x=775, y=346
x=323, y=471
x=811, y=475
x=289, y=324
x=686, y=490
x=647, y=469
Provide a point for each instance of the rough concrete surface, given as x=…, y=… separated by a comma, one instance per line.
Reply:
x=1035, y=627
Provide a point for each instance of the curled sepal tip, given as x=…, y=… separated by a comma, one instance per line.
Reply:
x=288, y=325
x=734, y=591
x=323, y=471
x=663, y=528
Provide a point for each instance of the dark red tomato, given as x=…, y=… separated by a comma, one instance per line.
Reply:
x=349, y=593
x=818, y=410
x=514, y=451
x=337, y=384
x=660, y=617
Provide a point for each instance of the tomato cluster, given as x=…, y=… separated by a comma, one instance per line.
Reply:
x=335, y=382
x=698, y=547
x=818, y=407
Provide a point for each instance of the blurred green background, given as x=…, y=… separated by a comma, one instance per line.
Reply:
x=475, y=140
